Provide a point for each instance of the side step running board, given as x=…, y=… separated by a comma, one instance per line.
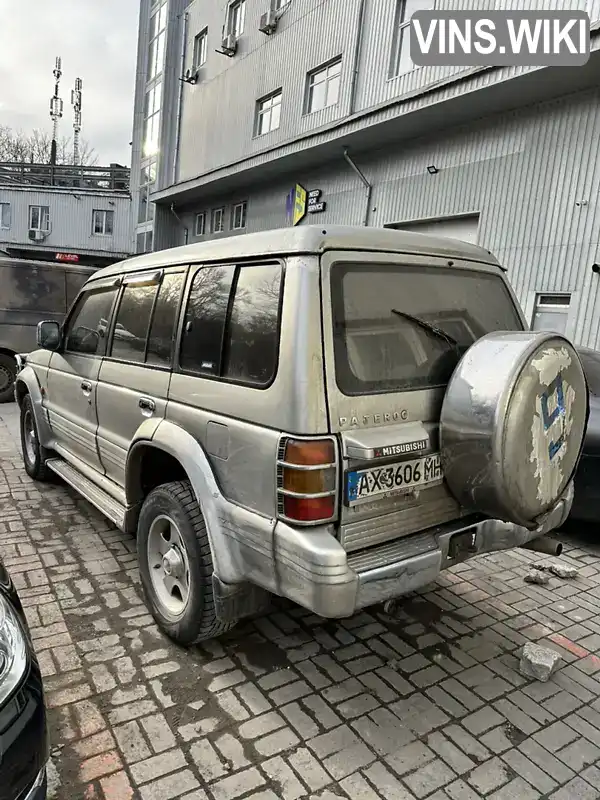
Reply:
x=106, y=504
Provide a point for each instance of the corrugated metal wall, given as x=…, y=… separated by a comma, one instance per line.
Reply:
x=532, y=175
x=70, y=218
x=218, y=113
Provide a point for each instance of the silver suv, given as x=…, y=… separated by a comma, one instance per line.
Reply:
x=332, y=416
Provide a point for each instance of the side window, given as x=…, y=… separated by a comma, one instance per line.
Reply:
x=88, y=326
x=75, y=281
x=252, y=341
x=205, y=316
x=162, y=330
x=132, y=322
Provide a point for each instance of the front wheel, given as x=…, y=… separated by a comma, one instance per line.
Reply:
x=176, y=565
x=8, y=373
x=34, y=455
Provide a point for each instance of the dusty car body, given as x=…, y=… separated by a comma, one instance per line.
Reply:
x=330, y=415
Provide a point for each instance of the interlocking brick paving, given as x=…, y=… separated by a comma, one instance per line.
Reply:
x=425, y=703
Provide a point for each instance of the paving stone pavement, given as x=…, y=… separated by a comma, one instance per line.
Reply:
x=425, y=703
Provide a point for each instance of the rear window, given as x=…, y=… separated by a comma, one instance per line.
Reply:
x=378, y=349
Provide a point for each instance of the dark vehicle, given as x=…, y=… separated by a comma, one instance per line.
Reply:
x=24, y=745
x=586, y=505
x=31, y=291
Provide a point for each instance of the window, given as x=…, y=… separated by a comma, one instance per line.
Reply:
x=551, y=312
x=147, y=178
x=204, y=323
x=200, y=224
x=217, y=224
x=88, y=326
x=157, y=36
x=376, y=349
x=237, y=15
x=268, y=113
x=200, y=48
x=133, y=319
x=252, y=340
x=32, y=289
x=74, y=283
x=152, y=107
x=401, y=61
x=244, y=347
x=238, y=216
x=5, y=215
x=39, y=218
x=162, y=329
x=103, y=222
x=323, y=88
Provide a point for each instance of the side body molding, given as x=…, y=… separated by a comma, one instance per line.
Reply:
x=224, y=520
x=27, y=383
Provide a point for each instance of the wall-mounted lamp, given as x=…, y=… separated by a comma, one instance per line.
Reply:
x=432, y=169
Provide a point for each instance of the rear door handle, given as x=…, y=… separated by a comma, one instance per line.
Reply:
x=147, y=405
x=86, y=387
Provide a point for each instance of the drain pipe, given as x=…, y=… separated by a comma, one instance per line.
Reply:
x=368, y=186
x=184, y=27
x=185, y=229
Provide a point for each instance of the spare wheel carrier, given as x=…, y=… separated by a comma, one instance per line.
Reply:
x=512, y=424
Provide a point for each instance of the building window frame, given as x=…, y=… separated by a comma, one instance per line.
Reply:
x=329, y=75
x=217, y=220
x=106, y=217
x=555, y=304
x=400, y=50
x=157, y=40
x=200, y=223
x=236, y=18
x=5, y=216
x=200, y=48
x=43, y=218
x=239, y=213
x=268, y=113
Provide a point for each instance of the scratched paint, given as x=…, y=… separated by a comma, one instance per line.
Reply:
x=548, y=465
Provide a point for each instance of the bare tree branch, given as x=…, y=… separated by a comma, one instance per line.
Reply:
x=35, y=148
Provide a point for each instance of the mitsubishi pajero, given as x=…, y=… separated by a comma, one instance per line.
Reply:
x=332, y=415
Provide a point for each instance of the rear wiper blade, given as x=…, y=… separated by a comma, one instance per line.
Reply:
x=427, y=326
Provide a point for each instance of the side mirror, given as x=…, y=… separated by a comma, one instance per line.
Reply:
x=48, y=334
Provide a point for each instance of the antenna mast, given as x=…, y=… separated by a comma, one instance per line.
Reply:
x=76, y=103
x=56, y=108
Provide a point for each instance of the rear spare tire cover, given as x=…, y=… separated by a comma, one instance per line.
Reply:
x=512, y=424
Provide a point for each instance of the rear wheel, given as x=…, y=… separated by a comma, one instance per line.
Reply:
x=176, y=565
x=8, y=373
x=34, y=455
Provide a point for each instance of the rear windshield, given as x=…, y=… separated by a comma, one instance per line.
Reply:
x=378, y=349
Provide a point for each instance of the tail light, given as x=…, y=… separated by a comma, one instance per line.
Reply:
x=307, y=480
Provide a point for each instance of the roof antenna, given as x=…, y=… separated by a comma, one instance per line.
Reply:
x=56, y=108
x=76, y=103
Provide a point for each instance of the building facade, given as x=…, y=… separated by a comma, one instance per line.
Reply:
x=284, y=113
x=65, y=213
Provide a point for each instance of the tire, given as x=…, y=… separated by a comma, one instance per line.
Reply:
x=171, y=517
x=34, y=455
x=8, y=373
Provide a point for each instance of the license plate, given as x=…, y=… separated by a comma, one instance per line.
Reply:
x=403, y=477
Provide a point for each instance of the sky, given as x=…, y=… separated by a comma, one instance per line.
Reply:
x=97, y=41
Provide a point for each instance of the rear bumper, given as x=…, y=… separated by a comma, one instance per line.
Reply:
x=315, y=571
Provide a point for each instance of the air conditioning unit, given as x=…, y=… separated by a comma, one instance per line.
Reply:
x=191, y=75
x=36, y=235
x=268, y=22
x=229, y=44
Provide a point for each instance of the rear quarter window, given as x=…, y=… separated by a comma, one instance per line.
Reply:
x=377, y=348
x=231, y=324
